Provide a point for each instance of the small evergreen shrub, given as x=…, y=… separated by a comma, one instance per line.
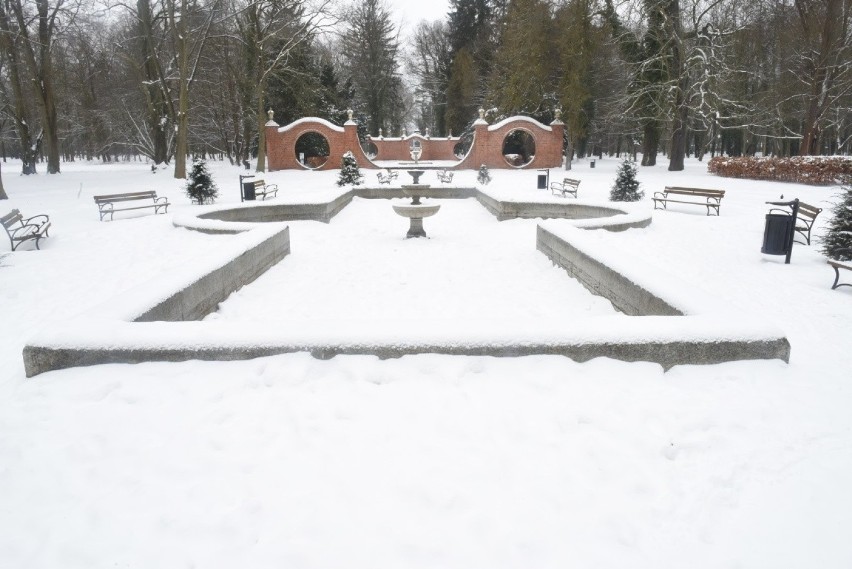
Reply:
x=349, y=172
x=484, y=175
x=814, y=170
x=837, y=243
x=200, y=186
x=626, y=186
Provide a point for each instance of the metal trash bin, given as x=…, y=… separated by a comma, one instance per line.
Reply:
x=543, y=178
x=592, y=164
x=779, y=230
x=776, y=234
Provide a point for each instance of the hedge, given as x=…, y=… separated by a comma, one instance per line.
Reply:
x=801, y=169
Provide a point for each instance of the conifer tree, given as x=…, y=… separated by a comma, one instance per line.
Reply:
x=837, y=243
x=626, y=186
x=200, y=186
x=349, y=172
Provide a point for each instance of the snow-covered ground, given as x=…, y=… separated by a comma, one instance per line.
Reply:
x=425, y=461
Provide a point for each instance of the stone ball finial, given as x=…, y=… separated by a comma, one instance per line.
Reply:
x=350, y=112
x=482, y=114
x=270, y=113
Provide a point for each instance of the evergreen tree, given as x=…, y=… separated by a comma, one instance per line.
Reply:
x=626, y=186
x=837, y=243
x=524, y=62
x=484, y=175
x=349, y=172
x=371, y=48
x=200, y=186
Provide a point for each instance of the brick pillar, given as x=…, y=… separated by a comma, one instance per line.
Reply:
x=351, y=143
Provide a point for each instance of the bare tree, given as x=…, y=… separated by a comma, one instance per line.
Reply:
x=10, y=40
x=271, y=31
x=826, y=59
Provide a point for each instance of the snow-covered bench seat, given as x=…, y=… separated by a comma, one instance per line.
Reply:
x=262, y=189
x=566, y=186
x=21, y=230
x=107, y=203
x=385, y=178
x=712, y=198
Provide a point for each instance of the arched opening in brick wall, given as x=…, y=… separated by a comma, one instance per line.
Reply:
x=461, y=149
x=370, y=149
x=312, y=150
x=518, y=147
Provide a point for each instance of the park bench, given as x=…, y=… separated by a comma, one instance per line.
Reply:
x=262, y=189
x=20, y=230
x=837, y=265
x=107, y=203
x=566, y=186
x=805, y=220
x=445, y=177
x=712, y=198
x=386, y=177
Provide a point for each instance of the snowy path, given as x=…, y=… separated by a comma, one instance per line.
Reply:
x=425, y=461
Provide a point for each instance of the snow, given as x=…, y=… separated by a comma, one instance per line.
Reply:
x=311, y=120
x=504, y=122
x=428, y=460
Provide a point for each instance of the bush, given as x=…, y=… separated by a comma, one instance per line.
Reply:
x=837, y=242
x=813, y=170
x=200, y=186
x=626, y=186
x=484, y=175
x=349, y=172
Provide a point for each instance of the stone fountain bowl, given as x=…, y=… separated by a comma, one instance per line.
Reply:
x=416, y=211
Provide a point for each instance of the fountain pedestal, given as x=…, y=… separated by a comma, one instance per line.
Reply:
x=416, y=211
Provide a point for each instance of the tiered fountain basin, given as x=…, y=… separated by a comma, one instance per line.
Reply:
x=416, y=211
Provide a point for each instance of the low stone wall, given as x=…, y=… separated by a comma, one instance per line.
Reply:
x=625, y=294
x=201, y=297
x=162, y=330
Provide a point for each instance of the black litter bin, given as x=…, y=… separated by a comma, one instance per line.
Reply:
x=542, y=179
x=777, y=234
x=779, y=230
x=247, y=188
x=592, y=164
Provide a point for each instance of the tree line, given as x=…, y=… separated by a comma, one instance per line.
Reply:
x=164, y=79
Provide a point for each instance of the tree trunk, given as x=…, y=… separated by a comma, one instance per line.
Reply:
x=261, y=128
x=3, y=195
x=650, y=143
x=823, y=77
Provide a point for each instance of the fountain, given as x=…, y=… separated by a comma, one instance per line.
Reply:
x=416, y=211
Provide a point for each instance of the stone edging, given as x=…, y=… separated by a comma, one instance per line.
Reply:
x=130, y=336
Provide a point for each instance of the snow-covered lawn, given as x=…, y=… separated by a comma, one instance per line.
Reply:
x=425, y=461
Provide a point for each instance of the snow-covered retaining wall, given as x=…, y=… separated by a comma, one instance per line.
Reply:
x=154, y=323
x=706, y=334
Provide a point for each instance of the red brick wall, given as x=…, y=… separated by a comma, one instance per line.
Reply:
x=399, y=148
x=487, y=145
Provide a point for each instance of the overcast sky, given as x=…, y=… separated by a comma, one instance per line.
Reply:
x=410, y=12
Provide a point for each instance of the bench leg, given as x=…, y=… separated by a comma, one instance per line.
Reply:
x=837, y=283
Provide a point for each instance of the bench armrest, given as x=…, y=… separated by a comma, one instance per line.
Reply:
x=273, y=187
x=161, y=200
x=37, y=220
